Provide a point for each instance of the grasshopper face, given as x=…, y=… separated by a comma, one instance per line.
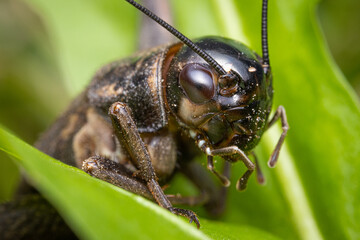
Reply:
x=227, y=111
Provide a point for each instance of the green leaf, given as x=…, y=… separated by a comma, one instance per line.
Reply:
x=98, y=210
x=95, y=209
x=218, y=230
x=9, y=178
x=314, y=192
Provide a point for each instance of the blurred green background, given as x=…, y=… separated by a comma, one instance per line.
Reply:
x=31, y=82
x=340, y=21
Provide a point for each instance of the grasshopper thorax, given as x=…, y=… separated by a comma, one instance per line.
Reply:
x=227, y=111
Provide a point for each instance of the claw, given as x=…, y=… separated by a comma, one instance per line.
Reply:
x=186, y=213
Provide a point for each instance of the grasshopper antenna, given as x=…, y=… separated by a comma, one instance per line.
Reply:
x=264, y=37
x=182, y=38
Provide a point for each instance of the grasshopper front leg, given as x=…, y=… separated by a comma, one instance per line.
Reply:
x=280, y=113
x=128, y=135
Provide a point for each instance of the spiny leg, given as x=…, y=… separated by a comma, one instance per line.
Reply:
x=232, y=150
x=210, y=165
x=259, y=175
x=241, y=184
x=127, y=133
x=280, y=113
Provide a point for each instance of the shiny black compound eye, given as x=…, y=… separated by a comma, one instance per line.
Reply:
x=197, y=82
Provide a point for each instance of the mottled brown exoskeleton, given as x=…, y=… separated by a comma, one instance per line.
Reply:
x=143, y=118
